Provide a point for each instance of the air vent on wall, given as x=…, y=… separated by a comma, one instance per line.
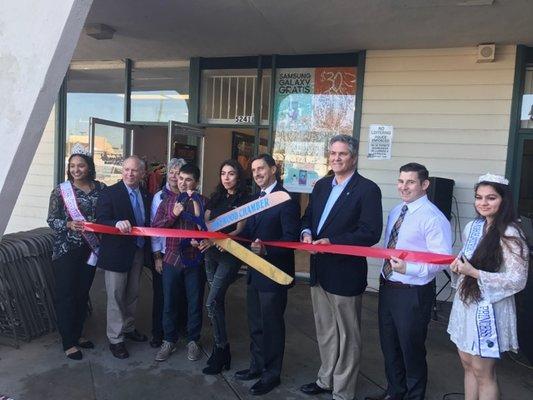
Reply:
x=486, y=52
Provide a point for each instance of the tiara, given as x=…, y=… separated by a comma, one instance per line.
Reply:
x=493, y=178
x=78, y=148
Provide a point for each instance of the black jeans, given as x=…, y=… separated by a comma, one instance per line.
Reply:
x=73, y=280
x=221, y=269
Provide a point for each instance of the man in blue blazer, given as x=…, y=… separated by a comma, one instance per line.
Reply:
x=343, y=209
x=123, y=205
x=265, y=299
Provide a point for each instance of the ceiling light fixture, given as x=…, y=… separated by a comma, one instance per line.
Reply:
x=474, y=3
x=99, y=31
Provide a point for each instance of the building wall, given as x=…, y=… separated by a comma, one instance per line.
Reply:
x=448, y=112
x=31, y=208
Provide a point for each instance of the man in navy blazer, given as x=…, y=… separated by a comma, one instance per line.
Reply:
x=343, y=209
x=265, y=299
x=123, y=205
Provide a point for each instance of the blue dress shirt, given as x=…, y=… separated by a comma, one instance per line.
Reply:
x=336, y=190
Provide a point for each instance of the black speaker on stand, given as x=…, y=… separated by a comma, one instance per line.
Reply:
x=440, y=193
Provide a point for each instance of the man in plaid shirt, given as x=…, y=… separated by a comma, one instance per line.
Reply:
x=182, y=263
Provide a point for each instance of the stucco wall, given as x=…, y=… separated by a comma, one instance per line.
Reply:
x=31, y=207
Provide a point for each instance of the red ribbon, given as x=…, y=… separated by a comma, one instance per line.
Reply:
x=360, y=251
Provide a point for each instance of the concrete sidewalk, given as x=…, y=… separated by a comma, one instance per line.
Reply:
x=39, y=370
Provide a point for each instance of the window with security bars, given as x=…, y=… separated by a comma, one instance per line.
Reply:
x=228, y=96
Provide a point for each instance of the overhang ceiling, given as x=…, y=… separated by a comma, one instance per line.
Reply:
x=180, y=29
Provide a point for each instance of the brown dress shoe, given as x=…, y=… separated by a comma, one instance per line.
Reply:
x=119, y=350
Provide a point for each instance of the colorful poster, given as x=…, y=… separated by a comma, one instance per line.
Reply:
x=311, y=105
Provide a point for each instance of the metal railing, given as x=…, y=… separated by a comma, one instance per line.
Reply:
x=26, y=286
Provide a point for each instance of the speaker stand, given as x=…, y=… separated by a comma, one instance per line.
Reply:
x=449, y=280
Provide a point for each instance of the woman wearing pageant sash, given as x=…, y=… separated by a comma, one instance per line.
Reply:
x=490, y=269
x=71, y=203
x=221, y=267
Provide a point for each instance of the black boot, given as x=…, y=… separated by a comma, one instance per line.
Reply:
x=212, y=356
x=221, y=360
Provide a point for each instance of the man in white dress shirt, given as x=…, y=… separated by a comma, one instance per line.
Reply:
x=407, y=289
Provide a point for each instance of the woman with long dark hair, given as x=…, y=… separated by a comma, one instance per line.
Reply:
x=490, y=269
x=221, y=267
x=74, y=252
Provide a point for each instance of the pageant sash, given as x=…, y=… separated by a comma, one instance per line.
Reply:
x=486, y=330
x=474, y=237
x=71, y=204
x=485, y=319
x=247, y=210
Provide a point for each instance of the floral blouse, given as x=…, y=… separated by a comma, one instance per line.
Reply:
x=67, y=239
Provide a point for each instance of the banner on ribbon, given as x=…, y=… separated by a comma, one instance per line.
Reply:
x=248, y=209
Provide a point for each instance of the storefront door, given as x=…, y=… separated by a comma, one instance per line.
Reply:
x=110, y=142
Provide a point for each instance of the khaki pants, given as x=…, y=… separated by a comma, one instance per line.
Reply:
x=338, y=331
x=122, y=293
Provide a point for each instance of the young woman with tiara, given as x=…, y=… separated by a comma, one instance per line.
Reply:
x=491, y=268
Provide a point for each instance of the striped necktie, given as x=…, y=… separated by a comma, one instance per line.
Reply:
x=393, y=239
x=138, y=216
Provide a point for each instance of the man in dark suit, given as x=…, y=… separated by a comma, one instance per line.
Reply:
x=266, y=299
x=344, y=208
x=123, y=205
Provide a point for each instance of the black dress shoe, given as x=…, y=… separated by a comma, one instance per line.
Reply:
x=313, y=388
x=77, y=355
x=246, y=375
x=261, y=387
x=156, y=342
x=119, y=350
x=86, y=344
x=383, y=396
x=135, y=336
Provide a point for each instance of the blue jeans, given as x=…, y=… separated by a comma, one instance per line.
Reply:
x=221, y=270
x=177, y=279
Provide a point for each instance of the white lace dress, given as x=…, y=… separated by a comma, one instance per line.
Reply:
x=499, y=289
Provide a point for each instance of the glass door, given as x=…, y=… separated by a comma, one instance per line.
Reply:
x=187, y=142
x=109, y=143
